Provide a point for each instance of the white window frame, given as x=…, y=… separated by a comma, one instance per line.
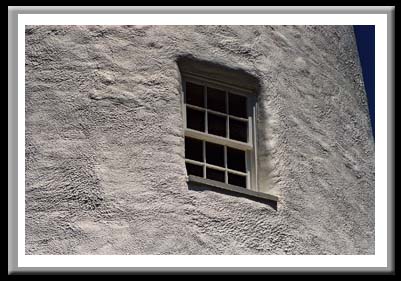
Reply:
x=249, y=147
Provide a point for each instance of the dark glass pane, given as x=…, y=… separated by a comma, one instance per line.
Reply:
x=237, y=105
x=215, y=154
x=216, y=175
x=196, y=119
x=237, y=180
x=239, y=130
x=194, y=170
x=216, y=100
x=216, y=125
x=194, y=94
x=193, y=149
x=235, y=159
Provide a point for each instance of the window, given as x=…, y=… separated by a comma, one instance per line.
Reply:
x=220, y=145
x=219, y=111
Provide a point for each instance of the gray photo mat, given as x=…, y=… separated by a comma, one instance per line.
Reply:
x=13, y=13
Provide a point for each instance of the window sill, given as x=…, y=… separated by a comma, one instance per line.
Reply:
x=233, y=189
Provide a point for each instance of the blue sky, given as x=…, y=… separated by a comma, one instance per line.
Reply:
x=365, y=38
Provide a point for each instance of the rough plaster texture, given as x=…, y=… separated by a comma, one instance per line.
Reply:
x=105, y=170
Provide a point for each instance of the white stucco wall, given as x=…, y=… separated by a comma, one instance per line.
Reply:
x=105, y=171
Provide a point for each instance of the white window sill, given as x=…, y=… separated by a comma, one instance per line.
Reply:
x=232, y=188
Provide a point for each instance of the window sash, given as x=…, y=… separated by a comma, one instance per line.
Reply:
x=249, y=147
x=213, y=138
x=224, y=169
x=218, y=140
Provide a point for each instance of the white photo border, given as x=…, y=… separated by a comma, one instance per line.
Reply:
x=379, y=259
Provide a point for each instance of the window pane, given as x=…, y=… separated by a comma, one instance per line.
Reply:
x=195, y=170
x=194, y=94
x=237, y=180
x=237, y=105
x=235, y=159
x=193, y=149
x=216, y=175
x=215, y=154
x=239, y=130
x=196, y=119
x=216, y=125
x=216, y=100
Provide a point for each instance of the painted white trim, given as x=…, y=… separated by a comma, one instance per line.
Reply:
x=217, y=139
x=255, y=148
x=195, y=107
